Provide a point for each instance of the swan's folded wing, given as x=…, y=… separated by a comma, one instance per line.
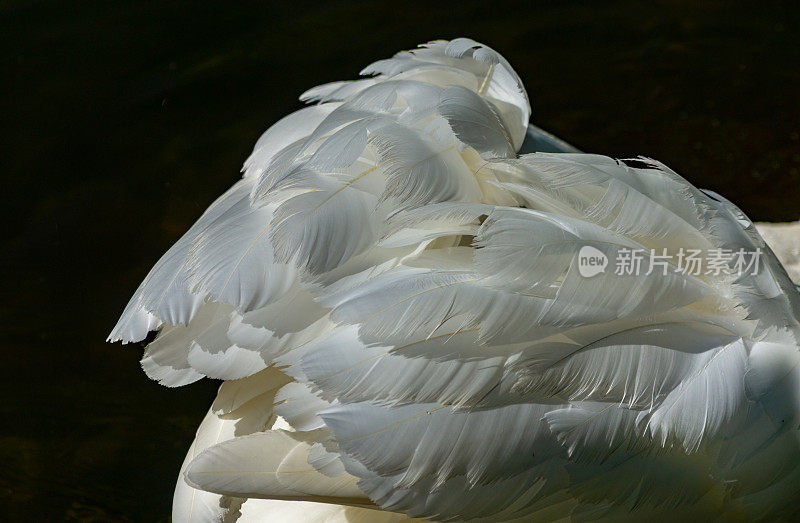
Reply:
x=434, y=349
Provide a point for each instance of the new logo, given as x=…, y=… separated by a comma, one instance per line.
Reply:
x=591, y=261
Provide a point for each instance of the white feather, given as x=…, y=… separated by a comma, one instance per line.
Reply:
x=475, y=122
x=419, y=170
x=321, y=229
x=705, y=402
x=232, y=260
x=398, y=335
x=268, y=464
x=284, y=132
x=164, y=295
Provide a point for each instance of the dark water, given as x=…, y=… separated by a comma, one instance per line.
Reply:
x=121, y=121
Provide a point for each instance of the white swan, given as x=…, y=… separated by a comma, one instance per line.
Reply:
x=397, y=303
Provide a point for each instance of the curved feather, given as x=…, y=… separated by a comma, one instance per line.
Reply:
x=398, y=334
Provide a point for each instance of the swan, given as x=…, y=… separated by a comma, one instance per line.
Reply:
x=422, y=307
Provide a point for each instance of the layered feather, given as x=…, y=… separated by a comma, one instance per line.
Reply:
x=395, y=301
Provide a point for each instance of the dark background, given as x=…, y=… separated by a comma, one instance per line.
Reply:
x=122, y=121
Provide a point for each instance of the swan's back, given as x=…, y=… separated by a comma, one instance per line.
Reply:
x=409, y=316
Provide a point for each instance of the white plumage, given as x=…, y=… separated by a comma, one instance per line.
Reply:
x=392, y=296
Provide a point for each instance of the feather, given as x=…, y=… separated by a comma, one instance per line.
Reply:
x=190, y=504
x=500, y=84
x=416, y=226
x=280, y=327
x=342, y=148
x=450, y=368
x=637, y=367
x=522, y=497
x=268, y=464
x=703, y=404
x=258, y=510
x=637, y=481
x=164, y=296
x=336, y=91
x=469, y=64
x=347, y=124
x=284, y=132
x=475, y=122
x=430, y=440
x=538, y=254
x=591, y=432
x=645, y=205
x=416, y=300
x=420, y=171
x=166, y=358
x=298, y=405
x=168, y=364
x=233, y=394
x=321, y=229
x=232, y=261
x=232, y=363
x=249, y=415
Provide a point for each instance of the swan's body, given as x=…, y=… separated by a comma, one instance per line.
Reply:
x=784, y=239
x=391, y=296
